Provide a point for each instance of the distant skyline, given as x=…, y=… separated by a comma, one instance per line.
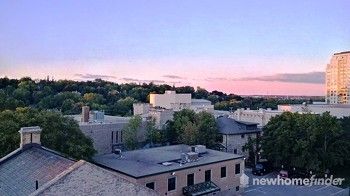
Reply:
x=244, y=47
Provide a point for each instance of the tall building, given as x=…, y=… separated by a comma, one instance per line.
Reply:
x=338, y=79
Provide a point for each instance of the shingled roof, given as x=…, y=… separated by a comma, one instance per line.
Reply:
x=229, y=126
x=84, y=178
x=21, y=169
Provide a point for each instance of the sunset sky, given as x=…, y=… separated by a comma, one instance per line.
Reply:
x=236, y=46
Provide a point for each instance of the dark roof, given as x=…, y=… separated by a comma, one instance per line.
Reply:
x=133, y=163
x=229, y=126
x=20, y=170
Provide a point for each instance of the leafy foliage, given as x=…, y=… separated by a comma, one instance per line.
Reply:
x=115, y=99
x=190, y=128
x=58, y=132
x=309, y=141
x=131, y=132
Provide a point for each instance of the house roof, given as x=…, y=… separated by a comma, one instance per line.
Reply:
x=133, y=163
x=84, y=178
x=21, y=169
x=229, y=126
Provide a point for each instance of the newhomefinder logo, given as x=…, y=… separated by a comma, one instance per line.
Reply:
x=299, y=181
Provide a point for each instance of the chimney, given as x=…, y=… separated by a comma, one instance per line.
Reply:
x=85, y=114
x=30, y=136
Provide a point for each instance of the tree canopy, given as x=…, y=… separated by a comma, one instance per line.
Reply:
x=115, y=99
x=308, y=141
x=192, y=128
x=59, y=133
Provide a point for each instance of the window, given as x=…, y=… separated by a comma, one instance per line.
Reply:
x=238, y=169
x=237, y=188
x=208, y=175
x=121, y=136
x=235, y=151
x=171, y=183
x=190, y=179
x=223, y=172
x=116, y=137
x=150, y=185
x=242, y=136
x=112, y=137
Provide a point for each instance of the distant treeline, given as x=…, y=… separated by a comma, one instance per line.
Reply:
x=68, y=96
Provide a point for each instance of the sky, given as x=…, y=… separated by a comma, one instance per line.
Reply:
x=237, y=46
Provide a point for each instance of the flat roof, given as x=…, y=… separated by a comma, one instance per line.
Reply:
x=320, y=105
x=107, y=119
x=148, y=162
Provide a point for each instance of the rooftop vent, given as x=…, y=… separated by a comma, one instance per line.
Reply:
x=200, y=149
x=116, y=151
x=167, y=163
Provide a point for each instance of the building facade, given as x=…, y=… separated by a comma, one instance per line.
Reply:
x=35, y=170
x=179, y=169
x=261, y=116
x=338, y=79
x=337, y=110
x=236, y=134
x=170, y=100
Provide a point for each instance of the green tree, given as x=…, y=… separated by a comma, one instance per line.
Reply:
x=309, y=141
x=59, y=133
x=190, y=128
x=154, y=136
x=131, y=132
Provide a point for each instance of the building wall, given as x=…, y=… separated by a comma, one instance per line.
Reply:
x=338, y=79
x=161, y=116
x=338, y=111
x=232, y=142
x=141, y=108
x=105, y=135
x=171, y=100
x=260, y=116
x=231, y=181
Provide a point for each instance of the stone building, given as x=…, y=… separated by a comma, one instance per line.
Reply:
x=35, y=170
x=179, y=169
x=235, y=134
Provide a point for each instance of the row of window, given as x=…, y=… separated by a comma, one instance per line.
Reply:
x=190, y=178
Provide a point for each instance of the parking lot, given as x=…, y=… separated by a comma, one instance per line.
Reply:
x=254, y=190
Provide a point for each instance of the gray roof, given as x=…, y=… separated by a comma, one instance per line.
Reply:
x=133, y=163
x=20, y=170
x=229, y=126
x=84, y=178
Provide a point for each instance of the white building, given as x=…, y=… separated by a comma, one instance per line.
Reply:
x=261, y=116
x=163, y=106
x=338, y=79
x=199, y=105
x=170, y=100
x=337, y=110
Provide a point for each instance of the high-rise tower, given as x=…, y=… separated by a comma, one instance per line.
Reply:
x=338, y=79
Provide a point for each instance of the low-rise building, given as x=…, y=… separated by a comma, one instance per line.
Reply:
x=178, y=169
x=170, y=100
x=235, y=134
x=162, y=106
x=107, y=132
x=199, y=105
x=260, y=116
x=35, y=170
x=337, y=110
